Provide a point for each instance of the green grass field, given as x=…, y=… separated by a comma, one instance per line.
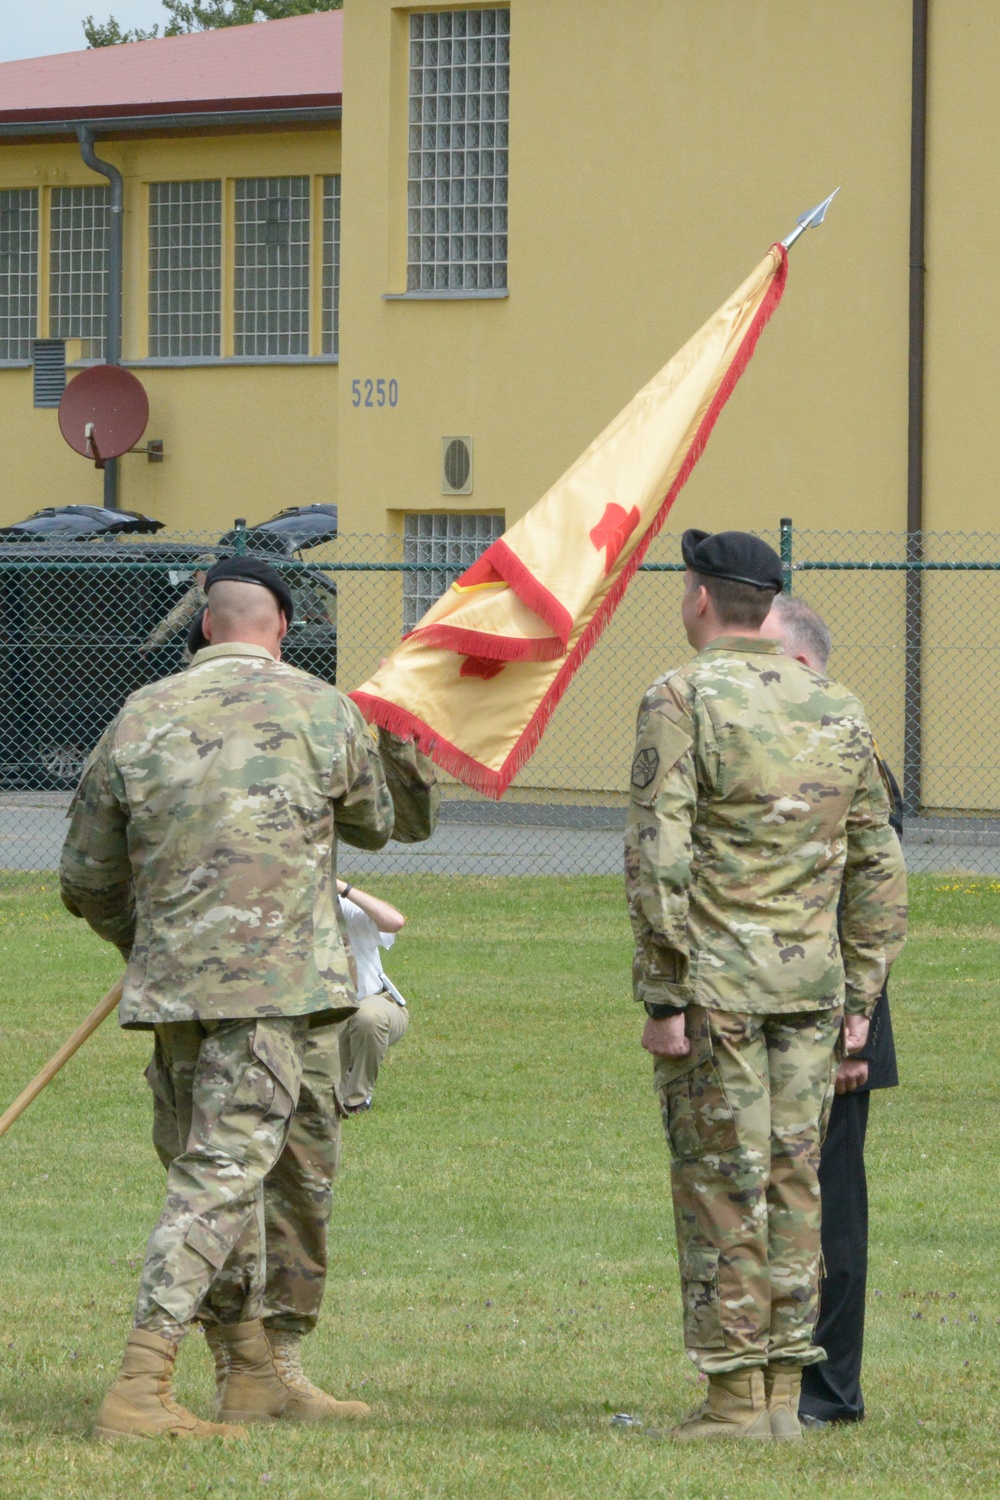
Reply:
x=504, y=1263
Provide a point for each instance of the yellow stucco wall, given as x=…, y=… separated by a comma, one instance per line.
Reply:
x=962, y=461
x=239, y=439
x=656, y=150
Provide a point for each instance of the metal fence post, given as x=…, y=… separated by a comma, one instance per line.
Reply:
x=240, y=539
x=913, y=734
x=786, y=554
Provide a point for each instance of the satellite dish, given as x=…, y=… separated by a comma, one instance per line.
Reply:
x=103, y=412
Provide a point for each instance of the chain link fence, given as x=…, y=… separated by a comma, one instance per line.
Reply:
x=914, y=620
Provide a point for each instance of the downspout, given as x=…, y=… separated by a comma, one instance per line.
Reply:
x=913, y=652
x=113, y=325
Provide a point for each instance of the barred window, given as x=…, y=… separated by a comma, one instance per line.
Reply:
x=331, y=265
x=18, y=272
x=445, y=546
x=457, y=176
x=185, y=269
x=78, y=266
x=272, y=266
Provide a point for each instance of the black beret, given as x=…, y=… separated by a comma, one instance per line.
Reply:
x=735, y=555
x=253, y=570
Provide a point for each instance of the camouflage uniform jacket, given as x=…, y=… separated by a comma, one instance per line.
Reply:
x=203, y=837
x=755, y=794
x=412, y=782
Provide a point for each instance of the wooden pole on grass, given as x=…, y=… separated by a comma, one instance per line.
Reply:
x=71, y=1045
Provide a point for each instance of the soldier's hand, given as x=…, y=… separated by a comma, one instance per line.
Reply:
x=666, y=1038
x=855, y=1033
x=852, y=1074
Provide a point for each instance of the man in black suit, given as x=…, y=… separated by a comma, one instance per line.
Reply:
x=831, y=1391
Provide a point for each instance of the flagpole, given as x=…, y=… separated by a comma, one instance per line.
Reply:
x=71, y=1045
x=810, y=220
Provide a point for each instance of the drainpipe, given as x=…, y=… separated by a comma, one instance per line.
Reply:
x=913, y=651
x=113, y=325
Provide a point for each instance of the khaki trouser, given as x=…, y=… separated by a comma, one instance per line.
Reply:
x=223, y=1095
x=377, y=1024
x=744, y=1115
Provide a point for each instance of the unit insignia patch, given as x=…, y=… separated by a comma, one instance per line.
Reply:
x=644, y=768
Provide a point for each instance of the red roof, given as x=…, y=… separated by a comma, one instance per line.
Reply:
x=270, y=65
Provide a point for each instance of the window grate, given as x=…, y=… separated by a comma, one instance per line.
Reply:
x=445, y=546
x=271, y=314
x=331, y=265
x=78, y=266
x=185, y=269
x=18, y=271
x=457, y=174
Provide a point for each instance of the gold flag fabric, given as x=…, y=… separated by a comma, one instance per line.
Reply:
x=477, y=679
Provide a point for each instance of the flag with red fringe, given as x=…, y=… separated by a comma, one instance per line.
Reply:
x=476, y=681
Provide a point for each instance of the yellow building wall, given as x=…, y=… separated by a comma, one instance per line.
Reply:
x=656, y=149
x=962, y=456
x=240, y=440
x=962, y=435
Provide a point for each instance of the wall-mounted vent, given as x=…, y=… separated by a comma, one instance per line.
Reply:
x=456, y=466
x=49, y=357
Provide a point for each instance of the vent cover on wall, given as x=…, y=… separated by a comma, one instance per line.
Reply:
x=50, y=371
x=456, y=466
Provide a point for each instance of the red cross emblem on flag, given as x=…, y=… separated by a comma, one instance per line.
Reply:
x=481, y=666
x=613, y=531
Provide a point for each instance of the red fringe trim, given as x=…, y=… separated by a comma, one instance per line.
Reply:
x=529, y=590
x=494, y=783
x=494, y=647
x=472, y=773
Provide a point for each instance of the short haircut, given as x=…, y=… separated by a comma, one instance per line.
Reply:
x=236, y=605
x=740, y=604
x=806, y=632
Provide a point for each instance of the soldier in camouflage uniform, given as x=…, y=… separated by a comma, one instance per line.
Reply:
x=754, y=795
x=202, y=843
x=298, y=1191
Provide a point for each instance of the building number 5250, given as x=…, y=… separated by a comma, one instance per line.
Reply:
x=374, y=392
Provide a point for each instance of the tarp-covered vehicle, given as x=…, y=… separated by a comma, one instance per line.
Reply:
x=92, y=607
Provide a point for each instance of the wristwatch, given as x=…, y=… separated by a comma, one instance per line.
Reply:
x=662, y=1012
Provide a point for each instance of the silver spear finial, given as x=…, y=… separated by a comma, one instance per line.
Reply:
x=812, y=220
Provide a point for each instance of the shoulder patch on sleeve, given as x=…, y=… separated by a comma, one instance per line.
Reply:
x=659, y=746
x=645, y=767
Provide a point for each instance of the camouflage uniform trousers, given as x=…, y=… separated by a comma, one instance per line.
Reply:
x=745, y=1113
x=298, y=1192
x=223, y=1096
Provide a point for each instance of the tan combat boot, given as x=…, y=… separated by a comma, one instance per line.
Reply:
x=140, y=1403
x=782, y=1386
x=260, y=1379
x=735, y=1408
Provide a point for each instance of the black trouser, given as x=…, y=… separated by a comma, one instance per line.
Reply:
x=832, y=1390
